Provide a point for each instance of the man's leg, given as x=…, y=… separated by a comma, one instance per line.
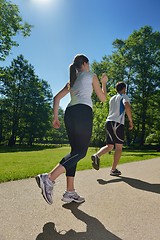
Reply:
x=96, y=157
x=117, y=155
x=105, y=149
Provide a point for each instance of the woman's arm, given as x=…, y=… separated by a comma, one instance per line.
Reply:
x=100, y=92
x=62, y=93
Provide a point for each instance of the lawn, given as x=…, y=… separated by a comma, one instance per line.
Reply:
x=27, y=162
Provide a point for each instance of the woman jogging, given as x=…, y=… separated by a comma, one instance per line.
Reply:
x=78, y=122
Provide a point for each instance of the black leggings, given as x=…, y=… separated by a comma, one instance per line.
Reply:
x=78, y=121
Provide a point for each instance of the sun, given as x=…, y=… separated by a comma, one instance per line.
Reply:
x=43, y=3
x=44, y=6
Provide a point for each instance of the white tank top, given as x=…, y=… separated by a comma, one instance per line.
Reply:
x=82, y=89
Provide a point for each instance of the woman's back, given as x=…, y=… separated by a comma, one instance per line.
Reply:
x=81, y=91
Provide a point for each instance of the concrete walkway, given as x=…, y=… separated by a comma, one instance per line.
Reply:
x=126, y=207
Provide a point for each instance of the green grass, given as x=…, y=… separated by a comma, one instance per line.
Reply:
x=27, y=162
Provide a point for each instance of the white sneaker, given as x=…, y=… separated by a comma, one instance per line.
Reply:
x=46, y=186
x=72, y=197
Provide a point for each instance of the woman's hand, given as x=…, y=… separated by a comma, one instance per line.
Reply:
x=56, y=123
x=104, y=78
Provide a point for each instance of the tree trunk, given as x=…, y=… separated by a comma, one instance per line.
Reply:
x=142, y=140
x=12, y=141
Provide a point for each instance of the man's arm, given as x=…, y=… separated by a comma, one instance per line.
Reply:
x=129, y=114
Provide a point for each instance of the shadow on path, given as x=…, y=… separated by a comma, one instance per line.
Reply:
x=135, y=183
x=94, y=228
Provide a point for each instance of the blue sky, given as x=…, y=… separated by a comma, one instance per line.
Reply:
x=64, y=28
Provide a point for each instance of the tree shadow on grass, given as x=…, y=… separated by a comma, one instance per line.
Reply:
x=135, y=183
x=26, y=148
x=94, y=228
x=150, y=153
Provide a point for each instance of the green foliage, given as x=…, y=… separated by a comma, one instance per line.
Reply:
x=26, y=104
x=11, y=25
x=25, y=100
x=153, y=138
x=136, y=61
x=100, y=111
x=98, y=133
x=58, y=136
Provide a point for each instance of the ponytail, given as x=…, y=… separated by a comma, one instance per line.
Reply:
x=76, y=66
x=73, y=74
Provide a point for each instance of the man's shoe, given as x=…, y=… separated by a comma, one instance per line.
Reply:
x=95, y=162
x=115, y=172
x=72, y=197
x=46, y=186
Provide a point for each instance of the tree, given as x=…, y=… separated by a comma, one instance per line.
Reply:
x=11, y=25
x=99, y=69
x=143, y=53
x=136, y=61
x=27, y=101
x=100, y=111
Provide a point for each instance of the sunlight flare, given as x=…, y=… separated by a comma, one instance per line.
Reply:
x=42, y=1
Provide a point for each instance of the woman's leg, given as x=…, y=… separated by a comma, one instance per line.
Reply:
x=78, y=122
x=56, y=172
x=70, y=184
x=79, y=129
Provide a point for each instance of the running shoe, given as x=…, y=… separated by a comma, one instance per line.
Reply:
x=95, y=161
x=46, y=186
x=72, y=197
x=115, y=172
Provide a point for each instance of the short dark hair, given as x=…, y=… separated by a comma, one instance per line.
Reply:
x=120, y=86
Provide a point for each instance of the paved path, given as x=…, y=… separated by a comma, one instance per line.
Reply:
x=126, y=207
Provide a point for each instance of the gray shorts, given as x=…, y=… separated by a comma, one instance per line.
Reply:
x=114, y=132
